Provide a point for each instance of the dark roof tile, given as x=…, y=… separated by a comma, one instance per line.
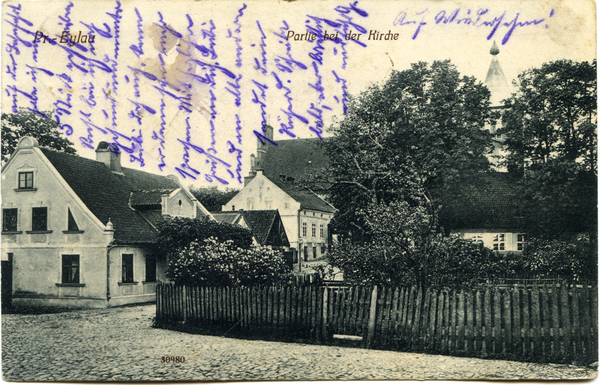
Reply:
x=308, y=199
x=301, y=159
x=108, y=194
x=147, y=198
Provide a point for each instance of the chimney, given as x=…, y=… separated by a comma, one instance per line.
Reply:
x=164, y=202
x=263, y=144
x=268, y=131
x=109, y=155
x=252, y=172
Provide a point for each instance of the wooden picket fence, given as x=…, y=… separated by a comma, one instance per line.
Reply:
x=542, y=323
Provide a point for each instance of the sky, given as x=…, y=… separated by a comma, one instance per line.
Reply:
x=184, y=88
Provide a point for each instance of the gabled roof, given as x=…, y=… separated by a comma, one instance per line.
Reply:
x=107, y=195
x=260, y=222
x=308, y=199
x=301, y=159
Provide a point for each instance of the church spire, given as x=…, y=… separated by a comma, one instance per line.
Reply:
x=494, y=50
x=495, y=80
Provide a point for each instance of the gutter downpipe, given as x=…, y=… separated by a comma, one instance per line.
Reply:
x=108, y=249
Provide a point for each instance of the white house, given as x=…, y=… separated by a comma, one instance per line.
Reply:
x=305, y=216
x=82, y=232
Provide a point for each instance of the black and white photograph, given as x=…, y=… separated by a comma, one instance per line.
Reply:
x=299, y=190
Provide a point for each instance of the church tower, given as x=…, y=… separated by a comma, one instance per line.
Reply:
x=499, y=90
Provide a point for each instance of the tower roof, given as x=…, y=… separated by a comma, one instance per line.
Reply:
x=495, y=79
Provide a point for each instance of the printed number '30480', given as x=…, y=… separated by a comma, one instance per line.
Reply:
x=172, y=359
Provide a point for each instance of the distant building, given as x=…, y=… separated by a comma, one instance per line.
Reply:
x=489, y=212
x=293, y=169
x=82, y=232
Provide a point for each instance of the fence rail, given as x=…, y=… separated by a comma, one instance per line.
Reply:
x=545, y=323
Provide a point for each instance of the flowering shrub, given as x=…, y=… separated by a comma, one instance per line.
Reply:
x=446, y=262
x=577, y=260
x=175, y=233
x=214, y=263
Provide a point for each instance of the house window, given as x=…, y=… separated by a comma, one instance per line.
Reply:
x=477, y=238
x=71, y=224
x=9, y=220
x=127, y=268
x=321, y=231
x=26, y=180
x=323, y=249
x=498, y=244
x=520, y=241
x=150, y=268
x=314, y=230
x=39, y=220
x=304, y=229
x=232, y=207
x=70, y=269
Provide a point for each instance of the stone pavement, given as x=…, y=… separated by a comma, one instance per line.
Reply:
x=118, y=344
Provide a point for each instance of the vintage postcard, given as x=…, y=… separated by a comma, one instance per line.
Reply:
x=299, y=190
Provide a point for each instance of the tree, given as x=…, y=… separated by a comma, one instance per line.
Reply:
x=421, y=129
x=550, y=128
x=28, y=123
x=212, y=198
x=553, y=116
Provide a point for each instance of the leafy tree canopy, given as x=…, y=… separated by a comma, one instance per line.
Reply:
x=553, y=116
x=419, y=130
x=212, y=198
x=28, y=123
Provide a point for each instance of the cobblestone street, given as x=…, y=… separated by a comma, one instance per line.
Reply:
x=119, y=344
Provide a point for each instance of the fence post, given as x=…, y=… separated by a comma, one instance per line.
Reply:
x=325, y=311
x=158, y=312
x=372, y=313
x=184, y=303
